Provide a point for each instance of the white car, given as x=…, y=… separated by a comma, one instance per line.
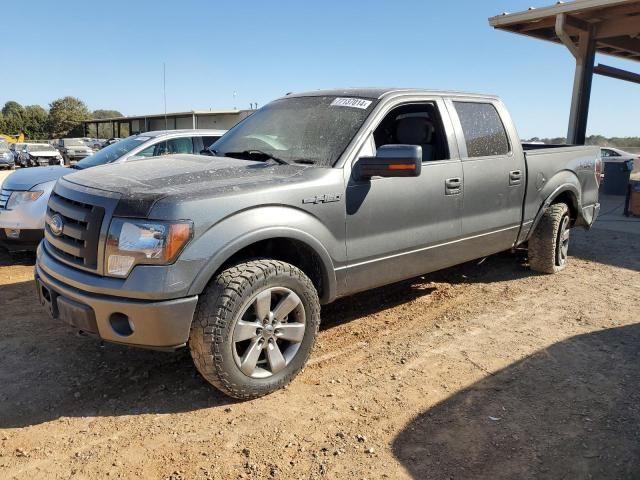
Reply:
x=616, y=155
x=25, y=193
x=38, y=155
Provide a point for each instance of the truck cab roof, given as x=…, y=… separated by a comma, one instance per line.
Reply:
x=380, y=93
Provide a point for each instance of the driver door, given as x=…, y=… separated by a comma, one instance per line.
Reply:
x=398, y=228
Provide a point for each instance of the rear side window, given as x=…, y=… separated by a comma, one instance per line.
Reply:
x=483, y=130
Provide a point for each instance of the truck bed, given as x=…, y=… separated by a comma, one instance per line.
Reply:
x=550, y=167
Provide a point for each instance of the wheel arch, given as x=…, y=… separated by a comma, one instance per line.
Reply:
x=567, y=193
x=280, y=243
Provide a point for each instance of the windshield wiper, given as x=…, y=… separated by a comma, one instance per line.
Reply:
x=250, y=153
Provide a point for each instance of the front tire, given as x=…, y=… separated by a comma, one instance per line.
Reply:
x=549, y=244
x=254, y=327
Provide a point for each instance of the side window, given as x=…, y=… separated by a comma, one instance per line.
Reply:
x=179, y=145
x=147, y=152
x=483, y=130
x=168, y=147
x=208, y=141
x=414, y=124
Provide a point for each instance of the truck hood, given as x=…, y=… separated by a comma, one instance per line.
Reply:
x=27, y=178
x=183, y=176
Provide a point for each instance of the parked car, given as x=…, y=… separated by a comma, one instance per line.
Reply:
x=24, y=195
x=610, y=154
x=110, y=141
x=6, y=156
x=38, y=155
x=73, y=150
x=313, y=197
x=93, y=143
x=16, y=149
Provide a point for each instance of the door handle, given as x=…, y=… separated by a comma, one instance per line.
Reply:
x=515, y=177
x=453, y=186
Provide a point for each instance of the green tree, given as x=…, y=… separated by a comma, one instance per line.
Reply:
x=66, y=116
x=12, y=108
x=12, y=122
x=104, y=130
x=101, y=114
x=35, y=122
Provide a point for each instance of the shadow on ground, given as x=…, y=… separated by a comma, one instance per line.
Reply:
x=48, y=371
x=506, y=266
x=569, y=411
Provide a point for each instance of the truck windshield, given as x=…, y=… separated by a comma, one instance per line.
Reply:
x=310, y=130
x=113, y=152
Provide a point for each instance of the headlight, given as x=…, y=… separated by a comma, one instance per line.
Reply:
x=18, y=198
x=144, y=242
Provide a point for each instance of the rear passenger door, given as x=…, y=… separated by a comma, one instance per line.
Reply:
x=494, y=176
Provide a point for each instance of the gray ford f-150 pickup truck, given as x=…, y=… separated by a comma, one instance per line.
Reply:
x=313, y=197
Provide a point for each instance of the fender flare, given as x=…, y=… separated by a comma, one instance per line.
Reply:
x=565, y=187
x=235, y=245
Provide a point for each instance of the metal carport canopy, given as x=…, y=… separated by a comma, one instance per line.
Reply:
x=585, y=27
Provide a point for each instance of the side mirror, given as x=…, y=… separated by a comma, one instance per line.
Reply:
x=391, y=161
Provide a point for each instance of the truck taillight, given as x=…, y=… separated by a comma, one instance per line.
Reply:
x=598, y=170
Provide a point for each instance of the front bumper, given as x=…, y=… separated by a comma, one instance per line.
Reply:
x=162, y=325
x=26, y=240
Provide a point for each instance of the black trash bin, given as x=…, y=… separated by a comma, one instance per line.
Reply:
x=616, y=177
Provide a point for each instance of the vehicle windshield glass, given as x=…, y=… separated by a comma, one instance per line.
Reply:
x=73, y=142
x=313, y=130
x=112, y=152
x=41, y=148
x=3, y=145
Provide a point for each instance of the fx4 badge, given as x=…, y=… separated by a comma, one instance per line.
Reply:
x=326, y=198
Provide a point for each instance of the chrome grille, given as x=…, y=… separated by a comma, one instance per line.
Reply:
x=4, y=198
x=78, y=241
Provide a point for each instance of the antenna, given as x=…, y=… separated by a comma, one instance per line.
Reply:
x=164, y=87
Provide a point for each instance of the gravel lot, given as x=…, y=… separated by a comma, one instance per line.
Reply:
x=481, y=371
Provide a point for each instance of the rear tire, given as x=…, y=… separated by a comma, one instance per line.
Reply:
x=549, y=244
x=254, y=328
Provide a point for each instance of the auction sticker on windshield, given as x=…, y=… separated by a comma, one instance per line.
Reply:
x=351, y=102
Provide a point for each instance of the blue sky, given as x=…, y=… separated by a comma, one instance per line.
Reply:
x=112, y=57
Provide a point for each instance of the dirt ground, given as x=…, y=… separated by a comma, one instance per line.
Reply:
x=486, y=370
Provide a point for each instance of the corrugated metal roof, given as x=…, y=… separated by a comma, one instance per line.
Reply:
x=615, y=24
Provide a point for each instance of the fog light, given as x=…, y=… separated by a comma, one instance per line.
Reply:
x=13, y=233
x=121, y=324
